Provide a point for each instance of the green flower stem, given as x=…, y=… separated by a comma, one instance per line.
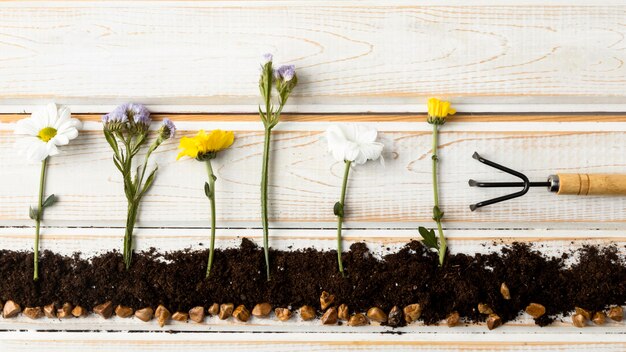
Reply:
x=442, y=240
x=340, y=216
x=128, y=235
x=42, y=183
x=266, y=155
x=211, y=196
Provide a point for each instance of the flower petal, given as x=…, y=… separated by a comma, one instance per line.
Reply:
x=365, y=134
x=37, y=150
x=60, y=139
x=52, y=115
x=27, y=126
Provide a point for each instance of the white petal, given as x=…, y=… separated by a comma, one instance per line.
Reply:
x=52, y=149
x=37, y=151
x=53, y=115
x=63, y=112
x=372, y=151
x=349, y=131
x=40, y=118
x=365, y=134
x=70, y=132
x=26, y=126
x=60, y=139
x=352, y=153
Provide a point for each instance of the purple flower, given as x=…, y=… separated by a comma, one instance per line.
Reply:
x=124, y=112
x=118, y=115
x=266, y=58
x=138, y=113
x=167, y=130
x=287, y=72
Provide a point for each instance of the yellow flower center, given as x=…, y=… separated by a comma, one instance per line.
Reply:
x=46, y=134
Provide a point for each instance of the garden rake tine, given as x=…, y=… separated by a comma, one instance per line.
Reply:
x=525, y=183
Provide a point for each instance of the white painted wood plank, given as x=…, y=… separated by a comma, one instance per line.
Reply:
x=351, y=56
x=450, y=341
x=94, y=241
x=305, y=181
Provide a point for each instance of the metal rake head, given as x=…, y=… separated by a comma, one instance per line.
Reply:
x=525, y=184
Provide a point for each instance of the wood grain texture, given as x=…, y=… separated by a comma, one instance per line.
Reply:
x=388, y=56
x=441, y=341
x=305, y=180
x=379, y=118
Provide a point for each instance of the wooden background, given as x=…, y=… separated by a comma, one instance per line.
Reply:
x=541, y=87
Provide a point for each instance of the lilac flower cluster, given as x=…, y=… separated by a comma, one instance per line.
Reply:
x=167, y=129
x=125, y=112
x=285, y=73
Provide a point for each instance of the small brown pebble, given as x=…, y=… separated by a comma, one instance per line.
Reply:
x=123, y=311
x=377, y=314
x=50, y=311
x=262, y=310
x=307, y=313
x=283, y=314
x=79, y=311
x=214, y=309
x=326, y=299
x=535, y=310
x=11, y=309
x=104, y=310
x=180, y=316
x=484, y=308
x=162, y=314
x=599, y=318
x=585, y=313
x=412, y=312
x=493, y=321
x=395, y=316
x=197, y=314
x=504, y=291
x=342, y=312
x=330, y=316
x=144, y=314
x=241, y=313
x=616, y=313
x=65, y=311
x=226, y=310
x=453, y=319
x=357, y=320
x=579, y=320
x=33, y=312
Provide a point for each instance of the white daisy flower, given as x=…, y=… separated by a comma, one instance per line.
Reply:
x=353, y=142
x=44, y=130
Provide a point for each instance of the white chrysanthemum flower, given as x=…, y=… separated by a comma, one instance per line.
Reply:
x=353, y=142
x=44, y=130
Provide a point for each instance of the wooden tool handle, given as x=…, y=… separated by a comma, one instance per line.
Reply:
x=592, y=184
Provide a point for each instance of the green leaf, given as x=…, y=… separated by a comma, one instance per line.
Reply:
x=430, y=240
x=148, y=183
x=437, y=213
x=207, y=190
x=49, y=201
x=338, y=209
x=32, y=213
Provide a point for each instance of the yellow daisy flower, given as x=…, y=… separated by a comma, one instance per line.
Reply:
x=439, y=108
x=205, y=146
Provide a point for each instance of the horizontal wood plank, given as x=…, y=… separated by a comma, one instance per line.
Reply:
x=441, y=341
x=305, y=179
x=354, y=56
x=379, y=118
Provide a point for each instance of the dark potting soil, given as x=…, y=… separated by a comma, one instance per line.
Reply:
x=596, y=280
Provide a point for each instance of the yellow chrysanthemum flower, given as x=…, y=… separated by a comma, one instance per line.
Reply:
x=439, y=108
x=204, y=145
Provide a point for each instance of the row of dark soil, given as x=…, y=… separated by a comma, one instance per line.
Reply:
x=596, y=280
